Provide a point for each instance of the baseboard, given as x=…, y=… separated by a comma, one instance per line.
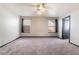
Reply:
x=59, y=37
x=38, y=37
x=73, y=44
x=9, y=42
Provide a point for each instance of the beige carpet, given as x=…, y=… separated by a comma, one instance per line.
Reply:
x=39, y=46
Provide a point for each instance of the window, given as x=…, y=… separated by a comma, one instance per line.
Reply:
x=26, y=26
x=51, y=26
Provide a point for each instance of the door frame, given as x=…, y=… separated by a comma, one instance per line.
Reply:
x=63, y=26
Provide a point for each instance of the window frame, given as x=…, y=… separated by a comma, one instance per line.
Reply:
x=56, y=28
x=23, y=26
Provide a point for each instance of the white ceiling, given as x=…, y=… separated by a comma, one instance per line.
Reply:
x=54, y=9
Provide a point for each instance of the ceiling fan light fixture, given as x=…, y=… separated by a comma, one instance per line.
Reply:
x=41, y=8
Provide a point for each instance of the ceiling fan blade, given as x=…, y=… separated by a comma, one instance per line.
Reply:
x=36, y=5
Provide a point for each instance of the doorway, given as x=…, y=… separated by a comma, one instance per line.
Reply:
x=66, y=27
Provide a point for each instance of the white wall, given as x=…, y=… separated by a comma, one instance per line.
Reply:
x=9, y=26
x=74, y=27
x=39, y=27
x=74, y=35
x=60, y=27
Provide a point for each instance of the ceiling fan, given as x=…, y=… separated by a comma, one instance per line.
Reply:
x=40, y=7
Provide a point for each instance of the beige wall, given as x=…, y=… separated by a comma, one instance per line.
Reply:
x=39, y=27
x=9, y=26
